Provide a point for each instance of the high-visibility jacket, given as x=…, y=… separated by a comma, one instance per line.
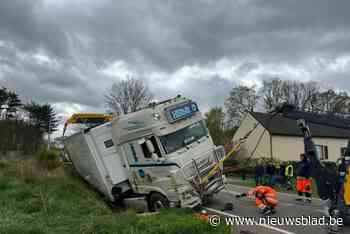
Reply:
x=289, y=172
x=269, y=193
x=347, y=188
x=261, y=189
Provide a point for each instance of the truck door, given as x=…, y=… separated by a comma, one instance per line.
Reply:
x=138, y=153
x=140, y=158
x=111, y=159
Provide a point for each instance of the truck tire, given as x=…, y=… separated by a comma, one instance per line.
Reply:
x=157, y=201
x=117, y=194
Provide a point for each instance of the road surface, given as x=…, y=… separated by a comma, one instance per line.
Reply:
x=287, y=207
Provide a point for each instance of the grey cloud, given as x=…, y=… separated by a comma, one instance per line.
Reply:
x=84, y=37
x=208, y=92
x=167, y=34
x=247, y=67
x=25, y=24
x=47, y=83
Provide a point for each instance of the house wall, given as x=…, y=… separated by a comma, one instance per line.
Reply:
x=284, y=148
x=263, y=149
x=288, y=148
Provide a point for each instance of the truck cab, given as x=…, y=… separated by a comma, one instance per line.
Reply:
x=167, y=150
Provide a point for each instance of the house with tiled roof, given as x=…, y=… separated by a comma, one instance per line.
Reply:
x=278, y=137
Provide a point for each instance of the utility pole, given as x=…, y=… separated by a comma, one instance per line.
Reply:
x=59, y=119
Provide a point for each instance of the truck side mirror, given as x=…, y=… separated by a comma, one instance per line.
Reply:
x=155, y=157
x=152, y=150
x=150, y=146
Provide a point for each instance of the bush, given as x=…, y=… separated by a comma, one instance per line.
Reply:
x=246, y=166
x=3, y=165
x=50, y=159
x=19, y=136
x=27, y=170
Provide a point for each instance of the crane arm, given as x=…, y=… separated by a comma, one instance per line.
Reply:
x=325, y=178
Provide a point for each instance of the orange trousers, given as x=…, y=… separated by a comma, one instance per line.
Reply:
x=303, y=185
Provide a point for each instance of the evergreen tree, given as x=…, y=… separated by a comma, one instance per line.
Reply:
x=48, y=118
x=43, y=116
x=13, y=101
x=3, y=95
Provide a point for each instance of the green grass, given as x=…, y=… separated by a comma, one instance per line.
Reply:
x=58, y=202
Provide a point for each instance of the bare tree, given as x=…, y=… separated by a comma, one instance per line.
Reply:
x=299, y=94
x=303, y=95
x=310, y=89
x=241, y=99
x=332, y=102
x=341, y=105
x=291, y=92
x=129, y=95
x=272, y=93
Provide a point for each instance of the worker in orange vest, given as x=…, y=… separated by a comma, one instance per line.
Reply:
x=304, y=179
x=265, y=198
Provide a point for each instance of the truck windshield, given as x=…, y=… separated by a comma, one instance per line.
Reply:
x=182, y=137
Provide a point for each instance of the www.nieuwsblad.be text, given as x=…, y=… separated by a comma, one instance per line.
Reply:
x=216, y=220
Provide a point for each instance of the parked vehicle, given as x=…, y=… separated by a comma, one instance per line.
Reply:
x=160, y=153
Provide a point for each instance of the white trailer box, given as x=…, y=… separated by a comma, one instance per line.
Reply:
x=162, y=153
x=95, y=157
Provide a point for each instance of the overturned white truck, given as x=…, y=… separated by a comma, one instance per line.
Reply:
x=160, y=153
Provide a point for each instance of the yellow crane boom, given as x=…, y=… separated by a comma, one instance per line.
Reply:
x=87, y=118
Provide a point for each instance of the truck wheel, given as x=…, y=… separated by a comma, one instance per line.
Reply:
x=157, y=201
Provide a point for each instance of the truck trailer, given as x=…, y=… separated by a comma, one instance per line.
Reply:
x=160, y=153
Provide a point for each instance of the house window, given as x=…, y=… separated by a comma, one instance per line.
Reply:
x=322, y=152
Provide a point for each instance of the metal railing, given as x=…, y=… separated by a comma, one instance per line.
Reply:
x=196, y=170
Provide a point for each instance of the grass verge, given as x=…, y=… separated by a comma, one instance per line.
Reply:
x=57, y=201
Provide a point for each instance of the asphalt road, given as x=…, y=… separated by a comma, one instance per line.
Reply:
x=287, y=207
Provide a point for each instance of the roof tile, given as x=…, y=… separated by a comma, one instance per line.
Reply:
x=320, y=125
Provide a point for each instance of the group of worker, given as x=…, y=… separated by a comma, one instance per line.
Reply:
x=266, y=195
x=269, y=174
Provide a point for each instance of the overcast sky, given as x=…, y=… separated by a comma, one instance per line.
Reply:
x=69, y=52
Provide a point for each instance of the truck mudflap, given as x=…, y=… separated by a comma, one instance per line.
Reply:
x=197, y=173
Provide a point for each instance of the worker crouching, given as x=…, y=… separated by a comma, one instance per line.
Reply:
x=265, y=198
